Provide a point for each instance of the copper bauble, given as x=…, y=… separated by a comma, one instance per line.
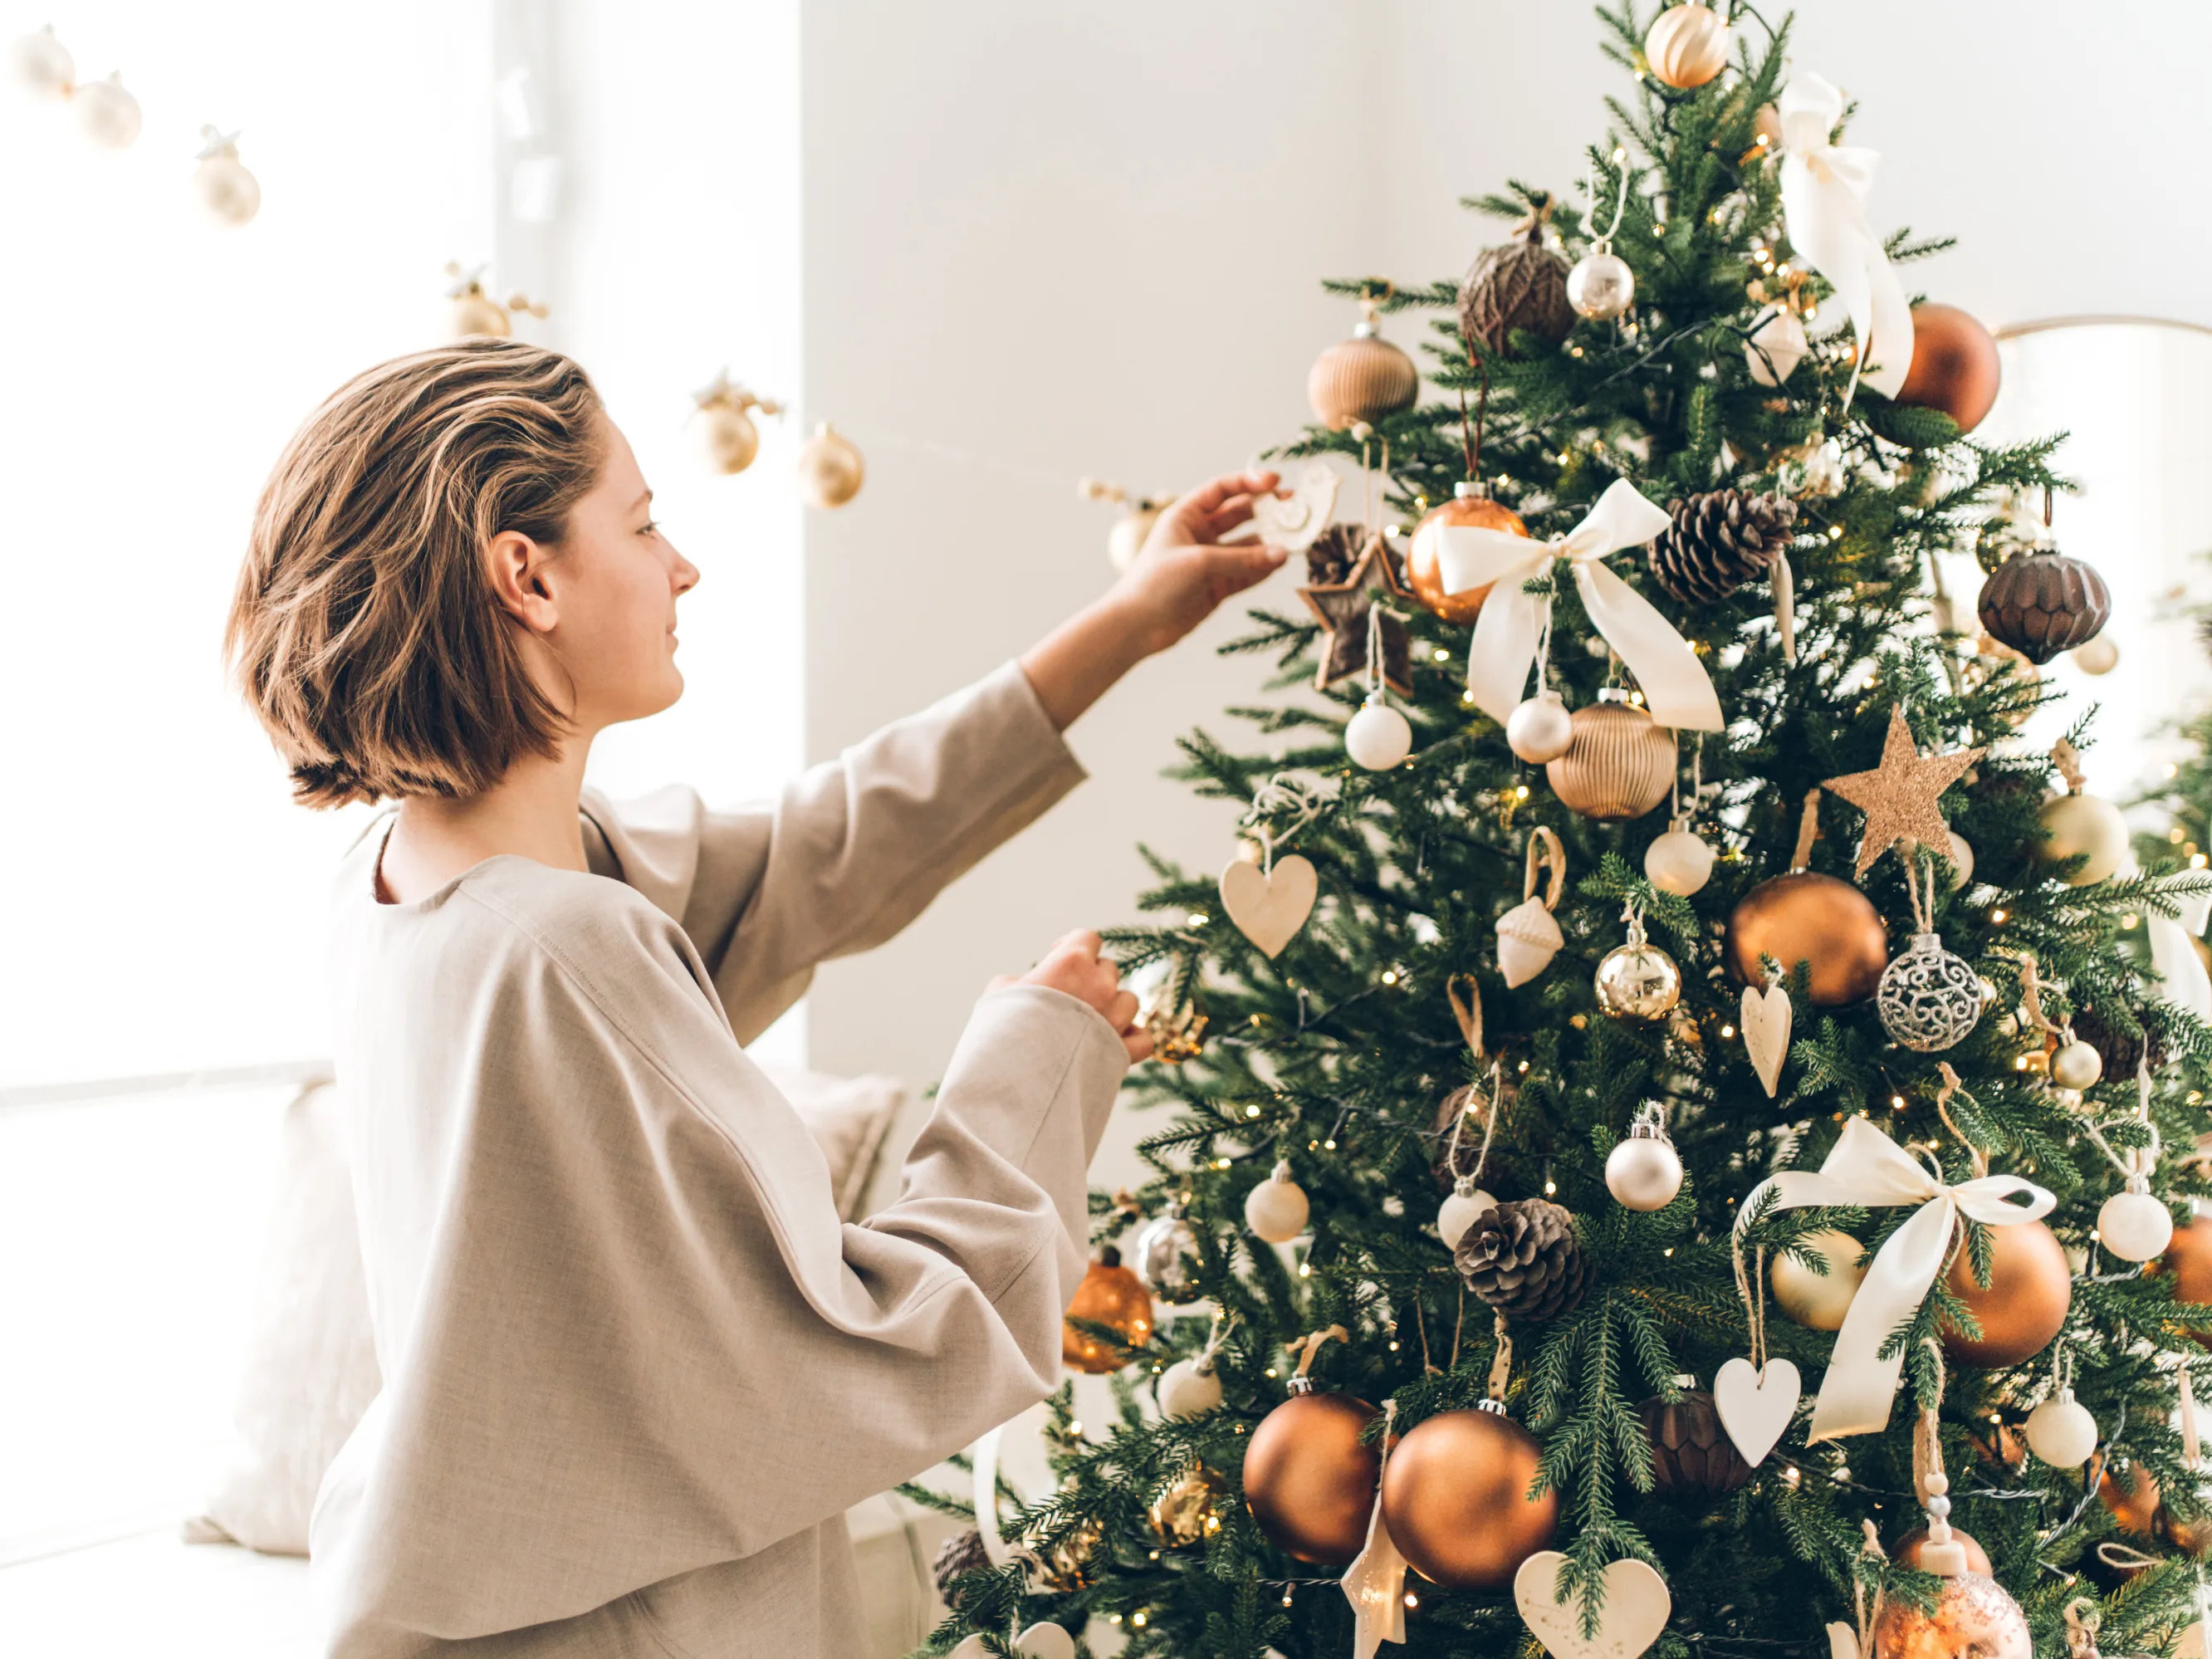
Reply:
x=1955, y=367
x=1906, y=1551
x=2132, y=1497
x=1362, y=378
x=1620, y=763
x=2040, y=602
x=1806, y=916
x=1520, y=285
x=1110, y=1295
x=1690, y=1452
x=2188, y=1261
x=1309, y=1479
x=2024, y=1304
x=1469, y=508
x=1973, y=1618
x=1456, y=1499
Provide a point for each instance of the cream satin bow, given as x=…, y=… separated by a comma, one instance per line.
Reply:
x=1824, y=192
x=1676, y=689
x=1869, y=1170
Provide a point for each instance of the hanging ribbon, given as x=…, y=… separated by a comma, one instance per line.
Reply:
x=1676, y=689
x=1824, y=193
x=1869, y=1170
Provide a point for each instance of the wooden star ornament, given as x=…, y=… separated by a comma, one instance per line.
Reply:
x=1898, y=796
x=1343, y=609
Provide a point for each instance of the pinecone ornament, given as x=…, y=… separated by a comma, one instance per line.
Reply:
x=1337, y=549
x=1719, y=541
x=961, y=1553
x=1522, y=1259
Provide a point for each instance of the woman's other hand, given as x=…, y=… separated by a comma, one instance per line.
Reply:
x=1074, y=966
x=1185, y=569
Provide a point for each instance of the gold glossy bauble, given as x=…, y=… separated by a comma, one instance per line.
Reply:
x=479, y=314
x=1956, y=366
x=1456, y=1499
x=1113, y=1296
x=1906, y=1551
x=728, y=440
x=1637, y=981
x=1182, y=1513
x=2024, y=1304
x=1309, y=1479
x=2079, y=824
x=1362, y=378
x=1820, y=1301
x=1973, y=1618
x=1687, y=46
x=1470, y=509
x=830, y=471
x=1809, y=917
x=1620, y=763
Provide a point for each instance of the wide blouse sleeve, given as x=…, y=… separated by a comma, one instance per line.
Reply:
x=850, y=851
x=645, y=1343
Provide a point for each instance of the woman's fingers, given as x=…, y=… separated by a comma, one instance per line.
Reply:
x=1233, y=569
x=1139, y=1045
x=1121, y=1010
x=1210, y=497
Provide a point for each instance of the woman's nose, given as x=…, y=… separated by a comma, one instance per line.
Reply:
x=685, y=575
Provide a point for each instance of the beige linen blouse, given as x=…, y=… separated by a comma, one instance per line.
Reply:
x=636, y=1367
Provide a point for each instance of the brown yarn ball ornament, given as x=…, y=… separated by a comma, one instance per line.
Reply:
x=1906, y=1551
x=1520, y=285
x=1620, y=763
x=1111, y=1295
x=1956, y=366
x=1362, y=378
x=1687, y=46
x=1470, y=508
x=1690, y=1452
x=1974, y=1617
x=1806, y=916
x=2024, y=1304
x=1456, y=1499
x=2041, y=601
x=1309, y=1479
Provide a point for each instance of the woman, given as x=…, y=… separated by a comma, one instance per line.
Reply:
x=636, y=1367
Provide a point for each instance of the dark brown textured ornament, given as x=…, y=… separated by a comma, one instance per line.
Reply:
x=1806, y=916
x=1456, y=1499
x=2024, y=1304
x=1956, y=366
x=1362, y=378
x=1519, y=285
x=2040, y=602
x=1906, y=1552
x=1620, y=763
x=2120, y=1052
x=961, y=1553
x=1111, y=1295
x=1690, y=1452
x=1973, y=1618
x=1309, y=1478
x=1469, y=507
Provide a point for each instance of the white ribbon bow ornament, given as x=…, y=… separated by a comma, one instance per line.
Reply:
x=1867, y=1169
x=1824, y=192
x=1676, y=689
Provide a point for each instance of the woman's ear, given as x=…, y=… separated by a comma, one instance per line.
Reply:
x=518, y=580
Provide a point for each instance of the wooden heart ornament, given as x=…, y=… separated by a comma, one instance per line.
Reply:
x=1767, y=1017
x=1755, y=1408
x=1636, y=1609
x=1269, y=907
x=1293, y=522
x=1037, y=1642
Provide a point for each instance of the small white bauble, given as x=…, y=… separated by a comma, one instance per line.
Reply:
x=1539, y=729
x=1820, y=1301
x=1600, y=286
x=1776, y=347
x=1190, y=1388
x=2084, y=824
x=230, y=194
x=2099, y=656
x=1377, y=737
x=2062, y=1432
x=2133, y=1226
x=1678, y=862
x=106, y=113
x=42, y=65
x=1276, y=1209
x=1458, y=1211
x=1643, y=1172
x=2076, y=1066
x=1962, y=862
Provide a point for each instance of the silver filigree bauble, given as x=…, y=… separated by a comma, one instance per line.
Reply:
x=1927, y=998
x=1162, y=1256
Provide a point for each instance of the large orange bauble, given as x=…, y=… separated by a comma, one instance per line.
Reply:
x=1973, y=1618
x=1309, y=1479
x=1806, y=916
x=1906, y=1551
x=2188, y=1261
x=1468, y=511
x=1456, y=1499
x=1111, y=1295
x=2024, y=1304
x=2133, y=1499
x=1956, y=366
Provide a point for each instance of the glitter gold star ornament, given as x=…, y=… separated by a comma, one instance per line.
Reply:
x=1898, y=797
x=1343, y=609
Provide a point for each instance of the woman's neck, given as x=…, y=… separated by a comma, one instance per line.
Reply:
x=531, y=812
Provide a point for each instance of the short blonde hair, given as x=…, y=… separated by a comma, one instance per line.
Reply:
x=365, y=632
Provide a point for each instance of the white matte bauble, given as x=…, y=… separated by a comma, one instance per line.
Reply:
x=2099, y=656
x=1644, y=1173
x=2076, y=1066
x=1962, y=862
x=1776, y=347
x=106, y=113
x=1678, y=862
x=1377, y=737
x=226, y=192
x=42, y=65
x=2062, y=1432
x=1276, y=1209
x=2133, y=1226
x=1600, y=286
x=1820, y=1301
x=2084, y=824
x=1539, y=729
x=1458, y=1211
x=1190, y=1388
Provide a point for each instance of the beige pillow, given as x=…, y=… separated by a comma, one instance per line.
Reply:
x=310, y=1368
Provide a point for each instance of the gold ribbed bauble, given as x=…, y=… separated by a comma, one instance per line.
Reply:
x=1906, y=1551
x=1362, y=378
x=1309, y=1479
x=2024, y=1304
x=1955, y=367
x=1620, y=763
x=1973, y=1618
x=1809, y=917
x=1456, y=1499
x=1687, y=46
x=1111, y=1295
x=1469, y=507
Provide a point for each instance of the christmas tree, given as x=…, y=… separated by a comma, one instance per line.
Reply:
x=1478, y=1063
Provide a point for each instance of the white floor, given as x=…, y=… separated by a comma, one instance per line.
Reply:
x=154, y=1594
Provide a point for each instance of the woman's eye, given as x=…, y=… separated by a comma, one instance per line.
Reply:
x=651, y=527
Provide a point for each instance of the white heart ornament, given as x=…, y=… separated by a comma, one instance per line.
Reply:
x=1767, y=1017
x=1037, y=1642
x=1295, y=522
x=1753, y=1408
x=1269, y=907
x=1843, y=1642
x=1635, y=1612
